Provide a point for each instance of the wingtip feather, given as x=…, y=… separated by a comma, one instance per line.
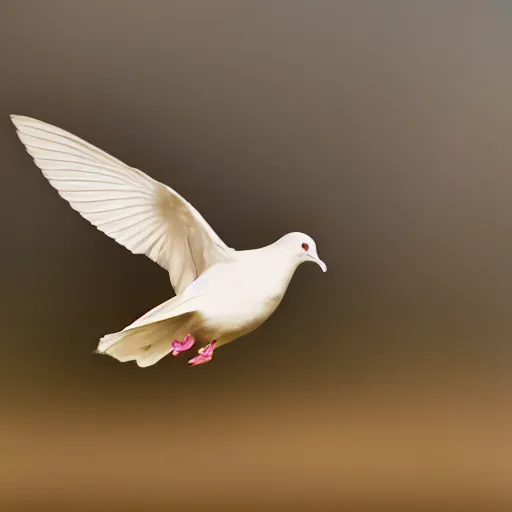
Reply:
x=15, y=118
x=20, y=121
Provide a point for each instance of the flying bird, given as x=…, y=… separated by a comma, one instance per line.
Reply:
x=221, y=293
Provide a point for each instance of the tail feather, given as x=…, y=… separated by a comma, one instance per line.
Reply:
x=149, y=338
x=127, y=340
x=146, y=345
x=147, y=341
x=152, y=354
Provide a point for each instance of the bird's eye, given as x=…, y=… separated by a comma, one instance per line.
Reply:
x=305, y=246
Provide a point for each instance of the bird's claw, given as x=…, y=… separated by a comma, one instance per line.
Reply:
x=182, y=346
x=204, y=355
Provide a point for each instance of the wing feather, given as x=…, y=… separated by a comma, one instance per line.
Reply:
x=140, y=213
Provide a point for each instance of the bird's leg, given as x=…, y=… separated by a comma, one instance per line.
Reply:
x=182, y=346
x=204, y=354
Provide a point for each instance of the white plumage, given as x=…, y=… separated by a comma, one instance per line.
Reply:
x=221, y=293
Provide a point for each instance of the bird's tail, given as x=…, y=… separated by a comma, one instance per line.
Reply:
x=149, y=339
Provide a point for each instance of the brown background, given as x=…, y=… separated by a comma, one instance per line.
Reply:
x=383, y=130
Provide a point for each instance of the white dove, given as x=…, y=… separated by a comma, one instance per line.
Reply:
x=221, y=293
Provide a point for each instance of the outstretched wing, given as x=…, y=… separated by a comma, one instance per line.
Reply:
x=137, y=211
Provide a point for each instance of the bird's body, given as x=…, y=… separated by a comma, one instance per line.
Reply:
x=241, y=295
x=221, y=294
x=224, y=303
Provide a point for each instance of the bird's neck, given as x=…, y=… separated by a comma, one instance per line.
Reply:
x=284, y=268
x=276, y=262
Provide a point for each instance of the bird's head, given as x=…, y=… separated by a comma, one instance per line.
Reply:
x=303, y=248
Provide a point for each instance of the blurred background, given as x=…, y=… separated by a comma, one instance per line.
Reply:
x=383, y=130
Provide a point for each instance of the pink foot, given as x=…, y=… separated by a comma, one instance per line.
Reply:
x=205, y=355
x=182, y=346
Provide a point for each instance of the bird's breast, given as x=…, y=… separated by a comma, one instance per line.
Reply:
x=238, y=301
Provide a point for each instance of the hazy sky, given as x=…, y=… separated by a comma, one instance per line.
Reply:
x=382, y=129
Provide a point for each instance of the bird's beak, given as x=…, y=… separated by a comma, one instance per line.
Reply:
x=321, y=264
